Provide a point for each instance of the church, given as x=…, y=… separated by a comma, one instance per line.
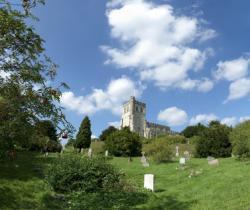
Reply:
x=134, y=117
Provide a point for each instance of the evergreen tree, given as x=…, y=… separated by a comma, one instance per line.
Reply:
x=83, y=138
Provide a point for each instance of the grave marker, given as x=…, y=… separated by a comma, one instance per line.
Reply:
x=149, y=181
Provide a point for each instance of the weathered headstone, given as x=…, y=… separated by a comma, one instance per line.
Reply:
x=177, y=151
x=82, y=151
x=46, y=154
x=213, y=162
x=90, y=153
x=182, y=161
x=106, y=153
x=149, y=181
x=144, y=160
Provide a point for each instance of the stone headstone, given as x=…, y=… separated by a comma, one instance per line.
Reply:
x=182, y=161
x=46, y=154
x=213, y=162
x=82, y=151
x=90, y=153
x=149, y=181
x=177, y=151
x=106, y=153
x=144, y=161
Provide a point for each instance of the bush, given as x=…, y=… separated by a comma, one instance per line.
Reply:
x=123, y=143
x=214, y=141
x=160, y=151
x=105, y=133
x=76, y=173
x=171, y=139
x=240, y=139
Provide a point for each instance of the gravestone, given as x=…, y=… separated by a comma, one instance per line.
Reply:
x=46, y=154
x=213, y=162
x=82, y=151
x=144, y=160
x=106, y=153
x=182, y=161
x=177, y=151
x=90, y=153
x=149, y=181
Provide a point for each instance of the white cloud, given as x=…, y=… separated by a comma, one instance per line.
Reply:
x=93, y=136
x=117, y=92
x=232, y=70
x=203, y=118
x=173, y=116
x=116, y=124
x=156, y=42
x=229, y=121
x=239, y=89
x=243, y=119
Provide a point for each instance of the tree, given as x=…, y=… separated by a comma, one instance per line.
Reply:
x=83, y=138
x=105, y=133
x=193, y=130
x=124, y=143
x=25, y=70
x=240, y=139
x=46, y=128
x=214, y=141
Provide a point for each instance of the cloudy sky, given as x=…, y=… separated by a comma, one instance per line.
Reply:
x=189, y=61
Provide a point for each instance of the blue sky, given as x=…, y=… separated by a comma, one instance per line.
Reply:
x=187, y=60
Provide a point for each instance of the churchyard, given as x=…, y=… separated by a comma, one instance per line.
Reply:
x=225, y=186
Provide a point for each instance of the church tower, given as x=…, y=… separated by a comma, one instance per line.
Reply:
x=133, y=116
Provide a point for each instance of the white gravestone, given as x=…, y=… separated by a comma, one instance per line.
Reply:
x=106, y=153
x=149, y=181
x=186, y=155
x=90, y=153
x=177, y=151
x=182, y=161
x=82, y=151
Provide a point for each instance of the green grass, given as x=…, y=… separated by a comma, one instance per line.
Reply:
x=227, y=186
x=224, y=187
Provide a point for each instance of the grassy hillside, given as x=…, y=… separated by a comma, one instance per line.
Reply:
x=22, y=184
x=224, y=187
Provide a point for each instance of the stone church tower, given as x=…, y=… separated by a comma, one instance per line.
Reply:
x=133, y=116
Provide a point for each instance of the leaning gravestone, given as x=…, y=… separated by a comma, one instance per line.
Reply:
x=149, y=181
x=144, y=160
x=106, y=153
x=90, y=153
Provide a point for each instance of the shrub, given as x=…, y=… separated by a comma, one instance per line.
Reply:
x=76, y=173
x=194, y=130
x=160, y=151
x=123, y=143
x=214, y=141
x=240, y=139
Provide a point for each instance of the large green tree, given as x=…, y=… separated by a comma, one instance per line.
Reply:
x=193, y=130
x=240, y=139
x=214, y=141
x=105, y=133
x=124, y=143
x=25, y=74
x=83, y=137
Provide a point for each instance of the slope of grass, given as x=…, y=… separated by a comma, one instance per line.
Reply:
x=224, y=187
x=227, y=186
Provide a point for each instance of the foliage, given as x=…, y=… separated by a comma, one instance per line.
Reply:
x=25, y=94
x=160, y=150
x=214, y=141
x=71, y=142
x=193, y=130
x=76, y=173
x=105, y=133
x=240, y=139
x=123, y=143
x=98, y=147
x=46, y=128
x=175, y=139
x=83, y=137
